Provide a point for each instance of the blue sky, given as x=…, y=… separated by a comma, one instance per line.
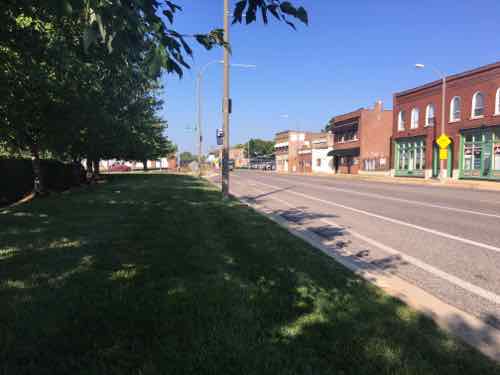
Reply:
x=352, y=53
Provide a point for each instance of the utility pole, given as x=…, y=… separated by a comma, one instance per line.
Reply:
x=249, y=157
x=443, y=167
x=200, y=134
x=226, y=105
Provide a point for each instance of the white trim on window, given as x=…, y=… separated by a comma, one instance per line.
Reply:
x=415, y=116
x=455, y=113
x=430, y=115
x=497, y=102
x=477, y=110
x=401, y=121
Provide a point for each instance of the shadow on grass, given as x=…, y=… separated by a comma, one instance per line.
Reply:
x=156, y=274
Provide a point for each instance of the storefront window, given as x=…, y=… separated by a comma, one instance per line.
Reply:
x=481, y=154
x=411, y=156
x=496, y=151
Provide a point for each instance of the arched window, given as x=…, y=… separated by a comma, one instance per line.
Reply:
x=415, y=114
x=401, y=120
x=430, y=115
x=497, y=103
x=455, y=109
x=478, y=104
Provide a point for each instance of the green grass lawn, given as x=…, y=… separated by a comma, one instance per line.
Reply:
x=154, y=274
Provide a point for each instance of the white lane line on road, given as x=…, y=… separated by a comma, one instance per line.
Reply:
x=385, y=218
x=380, y=196
x=474, y=289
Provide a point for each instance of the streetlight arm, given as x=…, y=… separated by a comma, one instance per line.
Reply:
x=207, y=65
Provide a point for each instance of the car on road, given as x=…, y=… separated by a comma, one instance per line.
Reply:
x=117, y=167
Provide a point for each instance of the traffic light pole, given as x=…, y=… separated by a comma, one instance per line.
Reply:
x=226, y=105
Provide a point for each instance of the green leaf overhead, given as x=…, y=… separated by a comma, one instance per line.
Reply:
x=80, y=79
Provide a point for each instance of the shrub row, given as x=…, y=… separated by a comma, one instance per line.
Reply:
x=17, y=178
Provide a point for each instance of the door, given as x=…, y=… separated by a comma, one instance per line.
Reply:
x=435, y=161
x=487, y=155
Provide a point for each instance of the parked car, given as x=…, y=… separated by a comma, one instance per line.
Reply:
x=120, y=168
x=231, y=164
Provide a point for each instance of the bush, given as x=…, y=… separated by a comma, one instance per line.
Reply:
x=17, y=178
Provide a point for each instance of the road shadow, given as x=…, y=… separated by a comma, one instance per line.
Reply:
x=255, y=198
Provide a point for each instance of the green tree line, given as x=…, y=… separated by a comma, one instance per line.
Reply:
x=80, y=79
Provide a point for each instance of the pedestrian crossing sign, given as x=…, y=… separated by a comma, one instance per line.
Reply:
x=443, y=141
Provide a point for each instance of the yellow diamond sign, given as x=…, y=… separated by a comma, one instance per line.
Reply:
x=443, y=154
x=443, y=141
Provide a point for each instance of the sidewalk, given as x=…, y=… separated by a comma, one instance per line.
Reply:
x=452, y=183
x=462, y=324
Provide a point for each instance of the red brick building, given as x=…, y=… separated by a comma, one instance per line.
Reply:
x=472, y=116
x=304, y=158
x=361, y=140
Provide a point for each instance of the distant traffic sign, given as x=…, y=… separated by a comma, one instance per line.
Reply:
x=220, y=136
x=443, y=141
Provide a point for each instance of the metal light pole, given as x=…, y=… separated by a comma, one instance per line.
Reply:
x=226, y=106
x=199, y=82
x=443, y=168
x=199, y=107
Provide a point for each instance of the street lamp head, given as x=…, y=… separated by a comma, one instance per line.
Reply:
x=419, y=66
x=244, y=65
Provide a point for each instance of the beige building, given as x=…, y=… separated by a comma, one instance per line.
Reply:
x=287, y=145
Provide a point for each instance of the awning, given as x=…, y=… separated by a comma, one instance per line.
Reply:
x=279, y=145
x=345, y=152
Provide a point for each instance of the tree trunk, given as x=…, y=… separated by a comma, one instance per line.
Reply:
x=145, y=165
x=90, y=170
x=77, y=169
x=39, y=183
x=97, y=169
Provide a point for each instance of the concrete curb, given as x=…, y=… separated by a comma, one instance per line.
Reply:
x=467, y=327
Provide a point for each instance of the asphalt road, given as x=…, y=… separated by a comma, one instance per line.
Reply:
x=445, y=240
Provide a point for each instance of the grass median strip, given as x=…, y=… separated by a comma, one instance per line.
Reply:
x=154, y=274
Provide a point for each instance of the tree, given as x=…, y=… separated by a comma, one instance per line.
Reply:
x=186, y=157
x=258, y=147
x=80, y=77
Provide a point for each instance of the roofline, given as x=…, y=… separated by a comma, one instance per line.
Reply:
x=453, y=77
x=348, y=115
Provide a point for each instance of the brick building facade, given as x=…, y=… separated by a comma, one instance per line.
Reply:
x=361, y=141
x=472, y=121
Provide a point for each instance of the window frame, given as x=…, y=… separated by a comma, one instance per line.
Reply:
x=401, y=121
x=415, y=118
x=474, y=105
x=427, y=118
x=453, y=110
x=497, y=102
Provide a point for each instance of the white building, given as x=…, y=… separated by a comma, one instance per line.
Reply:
x=321, y=146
